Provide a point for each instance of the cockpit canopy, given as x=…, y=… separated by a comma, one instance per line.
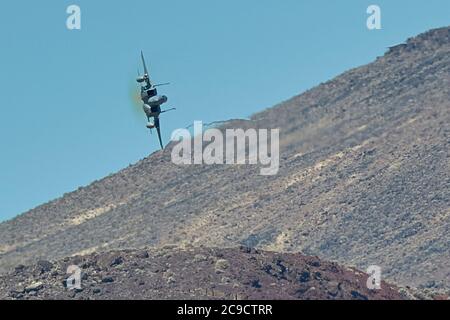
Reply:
x=152, y=92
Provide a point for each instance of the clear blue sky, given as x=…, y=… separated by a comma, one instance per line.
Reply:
x=66, y=113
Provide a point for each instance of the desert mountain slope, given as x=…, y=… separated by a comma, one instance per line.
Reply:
x=364, y=179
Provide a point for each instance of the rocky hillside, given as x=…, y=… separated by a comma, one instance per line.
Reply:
x=364, y=179
x=193, y=273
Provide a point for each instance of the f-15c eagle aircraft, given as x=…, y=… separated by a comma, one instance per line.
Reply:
x=152, y=101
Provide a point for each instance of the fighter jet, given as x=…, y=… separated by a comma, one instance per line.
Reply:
x=152, y=101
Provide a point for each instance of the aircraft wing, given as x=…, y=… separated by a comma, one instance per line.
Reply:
x=158, y=130
x=149, y=83
x=143, y=62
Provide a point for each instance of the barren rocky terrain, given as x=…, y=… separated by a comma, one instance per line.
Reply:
x=193, y=273
x=363, y=180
